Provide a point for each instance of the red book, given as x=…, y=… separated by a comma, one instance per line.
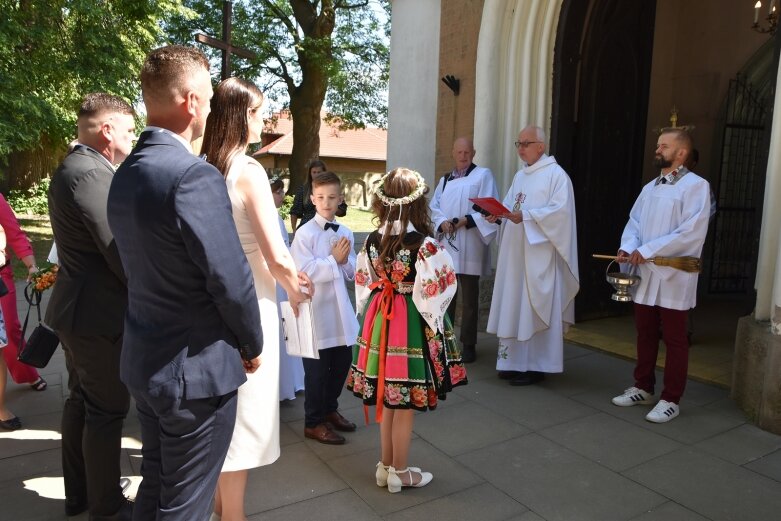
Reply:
x=490, y=205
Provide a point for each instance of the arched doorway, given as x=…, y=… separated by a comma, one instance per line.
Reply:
x=602, y=67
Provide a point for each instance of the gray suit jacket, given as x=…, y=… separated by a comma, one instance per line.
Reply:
x=89, y=297
x=192, y=307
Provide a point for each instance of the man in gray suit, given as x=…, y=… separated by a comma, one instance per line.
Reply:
x=87, y=309
x=192, y=327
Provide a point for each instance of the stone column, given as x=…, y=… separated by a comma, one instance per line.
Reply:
x=412, y=98
x=756, y=376
x=514, y=85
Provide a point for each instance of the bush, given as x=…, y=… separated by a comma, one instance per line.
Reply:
x=284, y=210
x=34, y=200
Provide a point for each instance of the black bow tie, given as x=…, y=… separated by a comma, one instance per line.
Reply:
x=334, y=227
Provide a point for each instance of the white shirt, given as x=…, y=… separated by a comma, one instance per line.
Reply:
x=668, y=220
x=469, y=248
x=334, y=316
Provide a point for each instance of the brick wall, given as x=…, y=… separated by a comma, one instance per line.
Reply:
x=459, y=31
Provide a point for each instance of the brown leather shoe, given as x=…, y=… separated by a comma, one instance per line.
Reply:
x=323, y=434
x=339, y=422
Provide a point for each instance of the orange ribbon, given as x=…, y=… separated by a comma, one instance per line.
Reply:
x=386, y=309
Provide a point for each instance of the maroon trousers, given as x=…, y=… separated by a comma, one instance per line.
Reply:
x=21, y=373
x=673, y=324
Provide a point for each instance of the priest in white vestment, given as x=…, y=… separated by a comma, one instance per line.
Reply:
x=669, y=219
x=465, y=234
x=537, y=269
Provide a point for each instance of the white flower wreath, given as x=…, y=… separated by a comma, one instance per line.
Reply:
x=398, y=201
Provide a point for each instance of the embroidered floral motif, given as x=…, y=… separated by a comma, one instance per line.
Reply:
x=457, y=373
x=443, y=277
x=418, y=396
x=393, y=394
x=362, y=277
x=431, y=247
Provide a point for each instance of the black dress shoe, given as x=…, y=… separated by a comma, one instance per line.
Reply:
x=74, y=507
x=508, y=375
x=528, y=378
x=469, y=355
x=125, y=513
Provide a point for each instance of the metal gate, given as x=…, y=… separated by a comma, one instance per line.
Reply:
x=740, y=189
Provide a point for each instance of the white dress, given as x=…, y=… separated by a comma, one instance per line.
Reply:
x=291, y=368
x=255, y=439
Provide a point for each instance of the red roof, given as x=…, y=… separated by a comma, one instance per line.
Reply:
x=368, y=143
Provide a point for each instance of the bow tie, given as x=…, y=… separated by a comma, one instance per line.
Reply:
x=332, y=226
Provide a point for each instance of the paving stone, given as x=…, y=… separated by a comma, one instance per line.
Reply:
x=449, y=477
x=36, y=499
x=769, y=465
x=344, y=505
x=609, y=441
x=483, y=502
x=670, y=512
x=364, y=437
x=39, y=433
x=298, y=475
x=534, y=406
x=558, y=484
x=710, y=486
x=33, y=464
x=742, y=444
x=448, y=431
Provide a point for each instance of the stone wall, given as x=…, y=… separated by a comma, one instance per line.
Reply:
x=756, y=386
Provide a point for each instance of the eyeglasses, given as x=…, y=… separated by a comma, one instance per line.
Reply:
x=524, y=144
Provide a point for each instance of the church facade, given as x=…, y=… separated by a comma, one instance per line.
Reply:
x=602, y=77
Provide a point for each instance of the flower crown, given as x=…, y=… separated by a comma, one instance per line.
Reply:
x=398, y=201
x=274, y=178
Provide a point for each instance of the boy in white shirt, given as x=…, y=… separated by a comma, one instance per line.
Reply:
x=323, y=249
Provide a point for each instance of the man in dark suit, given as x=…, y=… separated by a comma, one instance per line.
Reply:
x=192, y=327
x=87, y=309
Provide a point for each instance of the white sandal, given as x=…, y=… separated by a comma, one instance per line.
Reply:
x=395, y=484
x=381, y=475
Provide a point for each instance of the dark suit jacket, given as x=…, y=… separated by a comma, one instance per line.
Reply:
x=191, y=298
x=89, y=297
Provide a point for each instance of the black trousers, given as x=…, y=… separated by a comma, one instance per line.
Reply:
x=184, y=443
x=92, y=421
x=469, y=289
x=323, y=382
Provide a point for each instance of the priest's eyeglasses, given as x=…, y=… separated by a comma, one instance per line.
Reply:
x=524, y=144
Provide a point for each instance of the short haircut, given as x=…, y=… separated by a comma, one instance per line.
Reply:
x=98, y=103
x=682, y=137
x=326, y=178
x=277, y=184
x=167, y=69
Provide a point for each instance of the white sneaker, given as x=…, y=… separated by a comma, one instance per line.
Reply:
x=663, y=412
x=633, y=396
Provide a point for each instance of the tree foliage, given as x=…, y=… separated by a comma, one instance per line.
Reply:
x=52, y=52
x=308, y=52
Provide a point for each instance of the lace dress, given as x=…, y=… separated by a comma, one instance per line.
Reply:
x=406, y=349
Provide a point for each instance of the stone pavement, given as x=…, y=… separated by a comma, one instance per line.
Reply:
x=555, y=451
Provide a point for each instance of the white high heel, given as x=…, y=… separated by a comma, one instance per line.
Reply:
x=381, y=475
x=395, y=484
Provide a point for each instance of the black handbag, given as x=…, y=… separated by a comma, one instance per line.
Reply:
x=43, y=341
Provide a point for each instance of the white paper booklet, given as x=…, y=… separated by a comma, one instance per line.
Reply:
x=299, y=331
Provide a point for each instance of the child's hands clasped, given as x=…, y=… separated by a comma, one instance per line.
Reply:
x=341, y=250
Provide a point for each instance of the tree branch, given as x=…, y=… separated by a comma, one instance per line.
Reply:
x=283, y=18
x=340, y=4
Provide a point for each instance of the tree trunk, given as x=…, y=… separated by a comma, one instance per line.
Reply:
x=27, y=167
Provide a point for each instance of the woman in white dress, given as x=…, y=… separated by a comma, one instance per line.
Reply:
x=234, y=122
x=291, y=368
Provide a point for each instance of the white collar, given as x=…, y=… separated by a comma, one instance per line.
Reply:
x=176, y=136
x=396, y=228
x=542, y=162
x=104, y=158
x=321, y=221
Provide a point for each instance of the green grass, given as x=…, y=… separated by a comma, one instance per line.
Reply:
x=358, y=220
x=39, y=230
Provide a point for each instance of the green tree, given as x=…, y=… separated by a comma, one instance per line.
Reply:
x=52, y=52
x=308, y=52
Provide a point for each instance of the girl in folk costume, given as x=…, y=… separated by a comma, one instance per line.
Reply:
x=406, y=352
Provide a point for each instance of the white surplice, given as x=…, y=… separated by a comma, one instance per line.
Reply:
x=536, y=271
x=291, y=368
x=335, y=320
x=470, y=247
x=668, y=220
